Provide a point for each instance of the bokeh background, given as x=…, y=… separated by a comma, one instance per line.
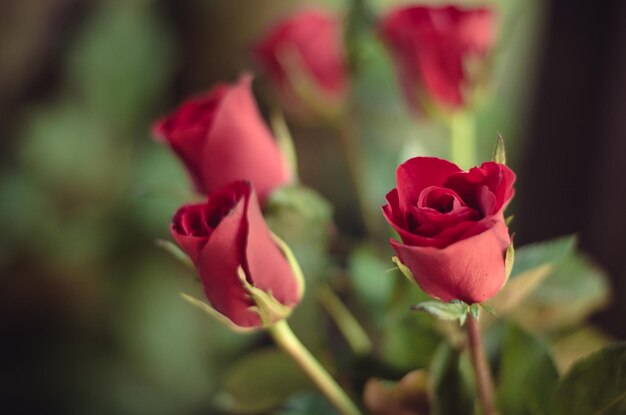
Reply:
x=90, y=317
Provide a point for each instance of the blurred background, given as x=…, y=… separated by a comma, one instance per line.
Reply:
x=90, y=316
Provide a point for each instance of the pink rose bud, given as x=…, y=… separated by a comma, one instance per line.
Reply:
x=228, y=234
x=451, y=223
x=221, y=137
x=303, y=56
x=431, y=47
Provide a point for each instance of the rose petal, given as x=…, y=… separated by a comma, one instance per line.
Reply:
x=470, y=270
x=239, y=145
x=268, y=268
x=219, y=261
x=418, y=173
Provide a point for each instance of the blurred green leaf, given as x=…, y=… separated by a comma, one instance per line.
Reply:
x=450, y=394
x=575, y=345
x=70, y=151
x=595, y=385
x=260, y=381
x=370, y=279
x=408, y=340
x=531, y=256
x=575, y=289
x=527, y=374
x=121, y=61
x=310, y=403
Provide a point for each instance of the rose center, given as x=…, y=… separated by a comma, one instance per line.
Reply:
x=440, y=199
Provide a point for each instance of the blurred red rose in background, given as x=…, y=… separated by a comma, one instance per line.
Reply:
x=431, y=46
x=226, y=233
x=303, y=55
x=221, y=137
x=451, y=223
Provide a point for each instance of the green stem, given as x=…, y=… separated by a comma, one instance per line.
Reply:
x=352, y=331
x=287, y=340
x=481, y=366
x=463, y=139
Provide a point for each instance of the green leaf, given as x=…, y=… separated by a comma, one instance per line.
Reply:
x=533, y=264
x=499, y=152
x=575, y=289
x=581, y=342
x=527, y=374
x=407, y=340
x=121, y=62
x=308, y=403
x=370, y=279
x=260, y=381
x=531, y=256
x=455, y=310
x=595, y=385
x=450, y=394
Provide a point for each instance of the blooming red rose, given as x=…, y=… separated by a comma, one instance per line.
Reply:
x=305, y=51
x=221, y=137
x=452, y=228
x=430, y=47
x=226, y=233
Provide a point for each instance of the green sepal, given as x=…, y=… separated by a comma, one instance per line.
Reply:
x=509, y=261
x=509, y=219
x=174, y=251
x=403, y=269
x=499, y=152
x=489, y=308
x=265, y=305
x=293, y=262
x=474, y=310
x=454, y=310
x=216, y=314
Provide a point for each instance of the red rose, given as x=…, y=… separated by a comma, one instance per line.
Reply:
x=221, y=137
x=226, y=233
x=451, y=223
x=430, y=46
x=305, y=48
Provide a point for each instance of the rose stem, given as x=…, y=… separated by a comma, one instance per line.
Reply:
x=463, y=139
x=287, y=340
x=481, y=366
x=347, y=324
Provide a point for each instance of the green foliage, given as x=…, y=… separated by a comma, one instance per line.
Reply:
x=260, y=381
x=527, y=374
x=575, y=289
x=310, y=403
x=595, y=385
x=303, y=219
x=371, y=281
x=450, y=392
x=120, y=62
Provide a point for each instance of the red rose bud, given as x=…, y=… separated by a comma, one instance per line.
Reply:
x=451, y=223
x=431, y=46
x=221, y=137
x=245, y=275
x=303, y=56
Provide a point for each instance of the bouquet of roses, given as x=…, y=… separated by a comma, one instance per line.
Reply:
x=475, y=327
